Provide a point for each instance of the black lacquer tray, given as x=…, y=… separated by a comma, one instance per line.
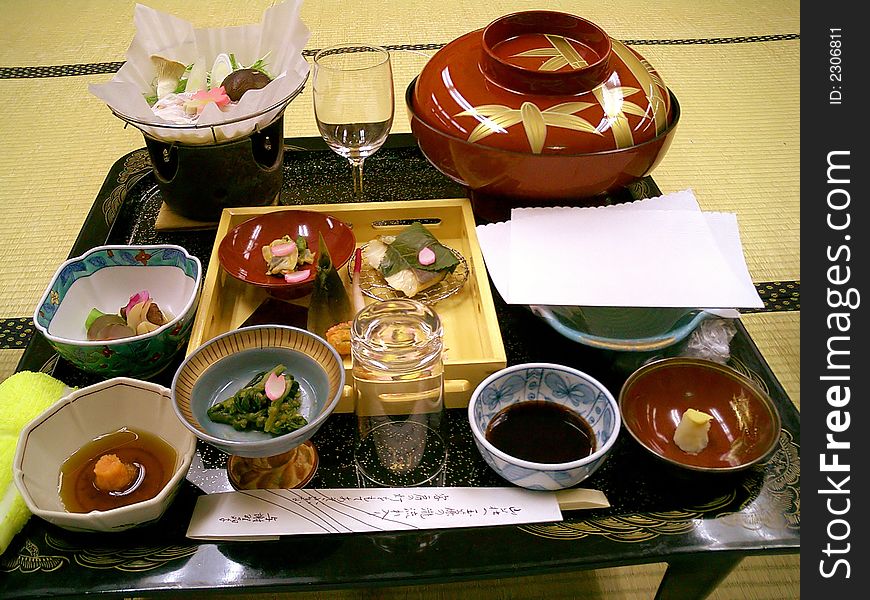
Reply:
x=701, y=527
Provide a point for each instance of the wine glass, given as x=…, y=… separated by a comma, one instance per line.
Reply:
x=353, y=102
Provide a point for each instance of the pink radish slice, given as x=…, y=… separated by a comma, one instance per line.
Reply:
x=136, y=298
x=296, y=276
x=426, y=256
x=275, y=386
x=283, y=249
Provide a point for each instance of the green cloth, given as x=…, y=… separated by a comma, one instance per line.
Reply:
x=23, y=396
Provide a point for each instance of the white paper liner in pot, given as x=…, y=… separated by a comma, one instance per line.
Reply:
x=281, y=34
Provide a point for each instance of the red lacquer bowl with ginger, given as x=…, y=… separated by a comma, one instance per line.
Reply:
x=541, y=108
x=745, y=424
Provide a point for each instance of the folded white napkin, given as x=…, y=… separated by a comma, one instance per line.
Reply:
x=656, y=252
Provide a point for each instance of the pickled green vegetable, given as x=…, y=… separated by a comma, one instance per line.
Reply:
x=250, y=409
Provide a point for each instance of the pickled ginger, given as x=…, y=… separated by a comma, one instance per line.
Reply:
x=692, y=434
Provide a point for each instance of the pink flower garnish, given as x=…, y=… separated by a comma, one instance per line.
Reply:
x=203, y=97
x=275, y=386
x=296, y=276
x=135, y=299
x=283, y=249
x=426, y=256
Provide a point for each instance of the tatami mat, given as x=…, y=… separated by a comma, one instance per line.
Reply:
x=733, y=65
x=8, y=361
x=57, y=149
x=778, y=337
x=93, y=31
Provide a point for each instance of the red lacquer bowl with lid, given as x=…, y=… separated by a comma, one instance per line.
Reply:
x=541, y=108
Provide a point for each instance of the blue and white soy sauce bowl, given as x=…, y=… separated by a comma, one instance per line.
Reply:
x=572, y=392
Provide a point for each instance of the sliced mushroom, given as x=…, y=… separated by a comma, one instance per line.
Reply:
x=155, y=315
x=168, y=73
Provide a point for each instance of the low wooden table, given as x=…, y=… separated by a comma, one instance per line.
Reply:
x=701, y=528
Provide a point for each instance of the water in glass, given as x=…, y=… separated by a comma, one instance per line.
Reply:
x=398, y=378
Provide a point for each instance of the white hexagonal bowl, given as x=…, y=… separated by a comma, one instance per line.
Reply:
x=77, y=419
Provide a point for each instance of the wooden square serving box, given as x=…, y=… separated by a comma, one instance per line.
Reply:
x=473, y=343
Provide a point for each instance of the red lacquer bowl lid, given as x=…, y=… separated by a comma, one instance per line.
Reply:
x=542, y=82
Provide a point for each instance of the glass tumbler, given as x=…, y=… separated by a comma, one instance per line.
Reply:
x=398, y=381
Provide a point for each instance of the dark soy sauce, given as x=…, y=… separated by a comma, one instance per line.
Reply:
x=541, y=432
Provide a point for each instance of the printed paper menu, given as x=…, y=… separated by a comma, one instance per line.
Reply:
x=267, y=514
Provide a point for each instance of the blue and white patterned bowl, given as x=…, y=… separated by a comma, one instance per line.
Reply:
x=544, y=382
x=105, y=277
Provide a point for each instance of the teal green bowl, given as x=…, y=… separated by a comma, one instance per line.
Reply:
x=624, y=329
x=105, y=277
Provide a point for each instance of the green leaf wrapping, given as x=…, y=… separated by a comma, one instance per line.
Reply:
x=403, y=252
x=329, y=303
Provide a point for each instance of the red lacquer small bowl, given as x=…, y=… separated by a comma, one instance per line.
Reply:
x=541, y=107
x=241, y=250
x=745, y=427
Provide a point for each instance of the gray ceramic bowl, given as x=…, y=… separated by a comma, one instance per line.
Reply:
x=223, y=365
x=552, y=383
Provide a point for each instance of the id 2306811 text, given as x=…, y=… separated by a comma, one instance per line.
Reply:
x=835, y=65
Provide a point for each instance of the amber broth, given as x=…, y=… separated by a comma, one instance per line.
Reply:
x=150, y=453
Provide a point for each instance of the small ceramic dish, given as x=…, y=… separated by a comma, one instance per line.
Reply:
x=105, y=278
x=548, y=383
x=225, y=364
x=745, y=425
x=240, y=252
x=373, y=285
x=625, y=329
x=78, y=419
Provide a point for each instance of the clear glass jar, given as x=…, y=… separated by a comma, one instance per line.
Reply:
x=398, y=381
